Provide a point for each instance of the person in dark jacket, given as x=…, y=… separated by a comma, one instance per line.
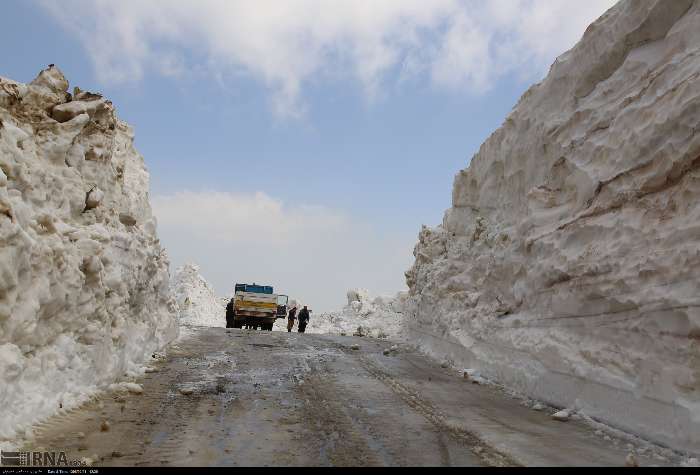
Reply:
x=290, y=319
x=229, y=314
x=303, y=319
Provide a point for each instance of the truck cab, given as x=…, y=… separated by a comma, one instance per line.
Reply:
x=257, y=306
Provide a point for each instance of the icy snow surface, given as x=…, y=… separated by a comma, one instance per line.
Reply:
x=197, y=303
x=84, y=295
x=568, y=267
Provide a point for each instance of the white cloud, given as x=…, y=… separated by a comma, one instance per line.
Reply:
x=459, y=44
x=464, y=56
x=309, y=252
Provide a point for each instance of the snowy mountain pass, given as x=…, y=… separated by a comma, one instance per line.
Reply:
x=239, y=397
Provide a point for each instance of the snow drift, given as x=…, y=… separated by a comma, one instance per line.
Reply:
x=568, y=266
x=379, y=317
x=197, y=303
x=84, y=295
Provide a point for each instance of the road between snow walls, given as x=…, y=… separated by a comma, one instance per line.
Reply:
x=383, y=319
x=84, y=294
x=565, y=270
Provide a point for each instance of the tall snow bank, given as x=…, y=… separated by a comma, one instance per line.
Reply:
x=568, y=267
x=197, y=303
x=379, y=317
x=84, y=295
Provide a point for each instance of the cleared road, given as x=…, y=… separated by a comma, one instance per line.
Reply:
x=238, y=397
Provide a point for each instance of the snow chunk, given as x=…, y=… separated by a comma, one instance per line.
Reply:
x=70, y=110
x=134, y=388
x=52, y=79
x=561, y=416
x=94, y=198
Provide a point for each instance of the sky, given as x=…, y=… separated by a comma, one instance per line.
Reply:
x=299, y=143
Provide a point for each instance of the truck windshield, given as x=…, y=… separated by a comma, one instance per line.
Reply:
x=282, y=300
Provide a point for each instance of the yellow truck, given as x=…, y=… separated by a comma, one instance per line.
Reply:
x=257, y=306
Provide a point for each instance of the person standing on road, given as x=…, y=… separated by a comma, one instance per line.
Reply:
x=229, y=314
x=290, y=319
x=303, y=319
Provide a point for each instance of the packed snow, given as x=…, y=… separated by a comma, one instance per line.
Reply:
x=196, y=300
x=84, y=294
x=567, y=267
x=379, y=317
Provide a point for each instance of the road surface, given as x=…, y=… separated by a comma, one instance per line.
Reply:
x=240, y=398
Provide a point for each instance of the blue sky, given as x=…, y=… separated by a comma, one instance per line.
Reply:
x=341, y=123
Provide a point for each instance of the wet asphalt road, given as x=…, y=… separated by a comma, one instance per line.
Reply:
x=247, y=398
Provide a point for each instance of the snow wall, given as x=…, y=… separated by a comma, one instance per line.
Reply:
x=568, y=267
x=84, y=294
x=196, y=300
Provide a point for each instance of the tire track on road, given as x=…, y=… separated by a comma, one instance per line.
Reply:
x=490, y=455
x=338, y=440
